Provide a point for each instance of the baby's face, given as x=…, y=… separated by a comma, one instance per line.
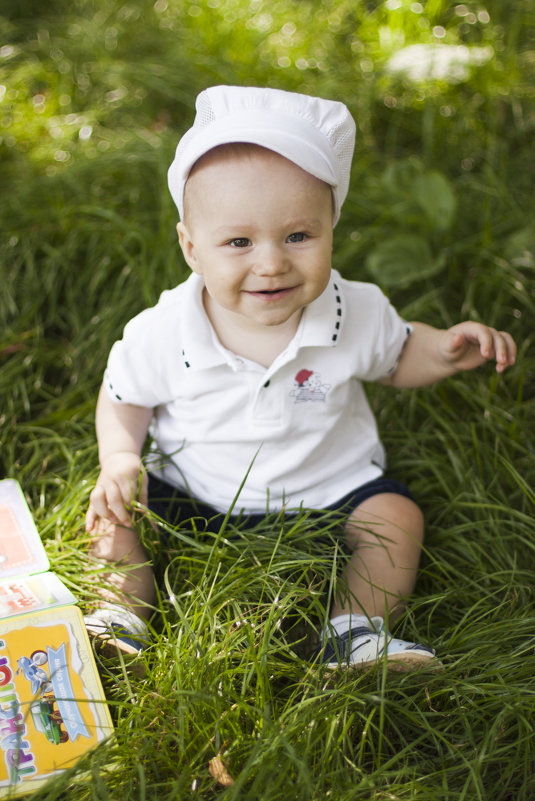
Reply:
x=259, y=230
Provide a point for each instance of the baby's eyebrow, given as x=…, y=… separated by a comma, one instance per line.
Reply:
x=235, y=229
x=304, y=222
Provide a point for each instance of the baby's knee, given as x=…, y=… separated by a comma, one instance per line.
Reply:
x=414, y=519
x=387, y=517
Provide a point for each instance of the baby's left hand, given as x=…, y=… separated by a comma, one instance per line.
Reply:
x=468, y=345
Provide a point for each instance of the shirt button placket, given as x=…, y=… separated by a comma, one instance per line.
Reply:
x=267, y=408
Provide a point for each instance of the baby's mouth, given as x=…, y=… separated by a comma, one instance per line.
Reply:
x=270, y=292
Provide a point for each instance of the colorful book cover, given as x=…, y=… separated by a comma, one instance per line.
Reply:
x=52, y=705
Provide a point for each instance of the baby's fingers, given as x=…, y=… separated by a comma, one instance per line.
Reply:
x=497, y=345
x=107, y=502
x=505, y=350
x=90, y=519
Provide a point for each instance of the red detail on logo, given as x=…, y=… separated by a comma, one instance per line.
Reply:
x=302, y=376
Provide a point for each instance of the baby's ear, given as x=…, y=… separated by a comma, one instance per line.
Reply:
x=187, y=246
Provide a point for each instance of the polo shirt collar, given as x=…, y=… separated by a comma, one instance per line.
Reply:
x=201, y=348
x=320, y=325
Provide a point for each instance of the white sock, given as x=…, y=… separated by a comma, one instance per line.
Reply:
x=343, y=623
x=113, y=613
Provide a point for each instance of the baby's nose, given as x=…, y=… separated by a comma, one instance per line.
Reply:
x=271, y=261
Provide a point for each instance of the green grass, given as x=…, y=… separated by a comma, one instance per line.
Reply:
x=97, y=94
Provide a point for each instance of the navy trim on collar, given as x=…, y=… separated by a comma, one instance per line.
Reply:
x=322, y=320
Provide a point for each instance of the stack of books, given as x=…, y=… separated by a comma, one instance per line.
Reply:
x=52, y=705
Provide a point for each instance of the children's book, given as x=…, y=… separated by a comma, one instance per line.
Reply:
x=52, y=705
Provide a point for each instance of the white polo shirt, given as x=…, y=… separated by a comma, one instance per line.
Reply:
x=302, y=427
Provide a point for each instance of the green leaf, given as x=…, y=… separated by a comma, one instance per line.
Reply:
x=398, y=178
x=520, y=247
x=401, y=260
x=434, y=195
x=419, y=196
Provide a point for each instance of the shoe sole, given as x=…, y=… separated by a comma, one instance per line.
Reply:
x=111, y=648
x=398, y=663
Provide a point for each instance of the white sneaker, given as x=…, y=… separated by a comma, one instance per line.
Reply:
x=363, y=647
x=115, y=629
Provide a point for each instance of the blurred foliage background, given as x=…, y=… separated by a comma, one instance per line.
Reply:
x=94, y=96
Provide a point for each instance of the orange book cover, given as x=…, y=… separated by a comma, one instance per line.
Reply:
x=52, y=705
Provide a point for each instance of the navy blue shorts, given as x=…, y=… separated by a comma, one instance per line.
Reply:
x=176, y=507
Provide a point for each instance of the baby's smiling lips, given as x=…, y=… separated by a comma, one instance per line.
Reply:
x=274, y=292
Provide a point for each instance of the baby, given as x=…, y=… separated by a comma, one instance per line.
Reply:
x=254, y=367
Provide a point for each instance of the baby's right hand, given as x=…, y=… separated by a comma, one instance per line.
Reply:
x=121, y=480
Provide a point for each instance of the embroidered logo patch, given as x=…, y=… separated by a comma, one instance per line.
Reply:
x=308, y=386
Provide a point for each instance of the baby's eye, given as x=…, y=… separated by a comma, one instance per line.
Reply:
x=299, y=236
x=240, y=242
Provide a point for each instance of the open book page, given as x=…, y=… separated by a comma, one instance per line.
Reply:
x=25, y=594
x=21, y=549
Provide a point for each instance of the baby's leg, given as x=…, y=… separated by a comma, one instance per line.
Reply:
x=132, y=585
x=385, y=534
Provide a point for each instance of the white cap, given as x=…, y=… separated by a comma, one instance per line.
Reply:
x=316, y=134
